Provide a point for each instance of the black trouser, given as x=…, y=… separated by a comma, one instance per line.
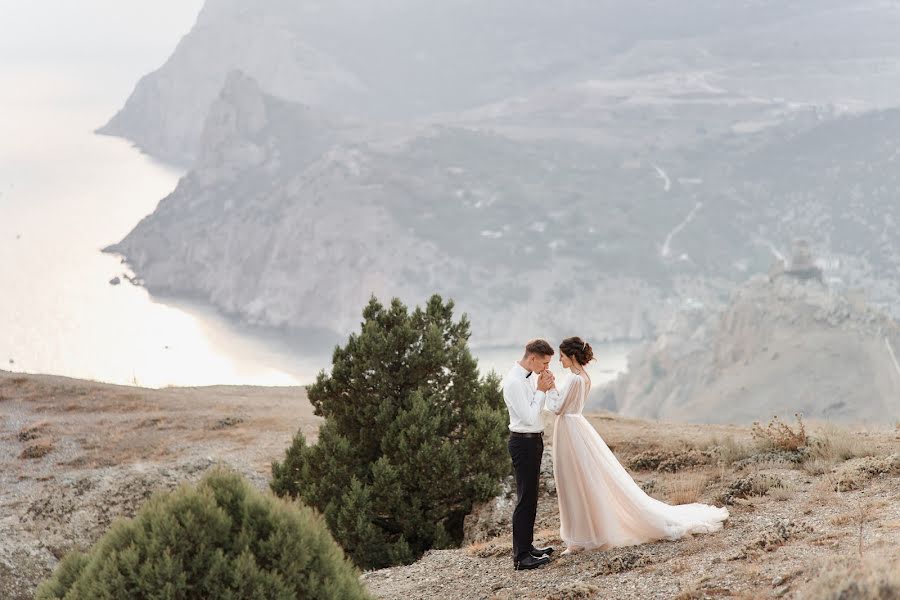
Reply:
x=526, y=453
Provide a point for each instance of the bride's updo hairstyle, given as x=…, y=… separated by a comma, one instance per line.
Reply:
x=577, y=348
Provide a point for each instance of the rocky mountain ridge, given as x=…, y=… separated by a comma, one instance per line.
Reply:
x=597, y=185
x=292, y=218
x=322, y=216
x=403, y=59
x=782, y=345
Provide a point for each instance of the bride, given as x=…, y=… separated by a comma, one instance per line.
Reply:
x=600, y=505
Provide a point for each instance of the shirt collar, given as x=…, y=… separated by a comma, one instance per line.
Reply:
x=520, y=370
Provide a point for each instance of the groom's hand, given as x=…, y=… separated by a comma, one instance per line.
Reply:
x=545, y=382
x=551, y=377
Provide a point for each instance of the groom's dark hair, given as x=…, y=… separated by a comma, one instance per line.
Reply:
x=541, y=347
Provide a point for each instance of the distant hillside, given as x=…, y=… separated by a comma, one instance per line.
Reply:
x=292, y=218
x=780, y=347
x=649, y=160
x=404, y=59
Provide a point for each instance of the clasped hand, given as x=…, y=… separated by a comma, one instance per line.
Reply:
x=546, y=381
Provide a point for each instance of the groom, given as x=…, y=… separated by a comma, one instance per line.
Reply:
x=524, y=394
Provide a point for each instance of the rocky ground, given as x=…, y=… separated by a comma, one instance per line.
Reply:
x=793, y=524
x=76, y=455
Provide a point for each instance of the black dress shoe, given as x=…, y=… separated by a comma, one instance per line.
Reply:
x=539, y=552
x=530, y=562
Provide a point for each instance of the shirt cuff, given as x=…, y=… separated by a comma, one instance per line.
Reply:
x=539, y=396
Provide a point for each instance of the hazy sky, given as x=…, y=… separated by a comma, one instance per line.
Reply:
x=71, y=64
x=136, y=35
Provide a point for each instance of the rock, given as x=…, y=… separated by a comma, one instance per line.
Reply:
x=753, y=359
x=548, y=481
x=166, y=112
x=115, y=281
x=491, y=518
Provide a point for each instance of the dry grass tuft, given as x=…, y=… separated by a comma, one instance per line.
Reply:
x=816, y=466
x=832, y=445
x=691, y=592
x=843, y=519
x=612, y=563
x=757, y=484
x=226, y=422
x=854, y=473
x=704, y=589
x=855, y=579
x=728, y=451
x=778, y=435
x=494, y=547
x=577, y=590
x=36, y=450
x=687, y=487
x=669, y=460
x=781, y=493
x=33, y=431
x=775, y=536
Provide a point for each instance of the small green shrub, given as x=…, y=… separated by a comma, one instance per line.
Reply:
x=219, y=539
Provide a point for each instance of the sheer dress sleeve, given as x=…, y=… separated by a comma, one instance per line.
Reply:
x=568, y=396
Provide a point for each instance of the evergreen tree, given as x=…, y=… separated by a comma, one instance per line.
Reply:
x=220, y=539
x=412, y=436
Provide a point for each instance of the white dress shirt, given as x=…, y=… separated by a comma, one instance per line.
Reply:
x=524, y=401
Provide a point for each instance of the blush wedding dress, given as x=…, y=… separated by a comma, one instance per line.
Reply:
x=600, y=505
